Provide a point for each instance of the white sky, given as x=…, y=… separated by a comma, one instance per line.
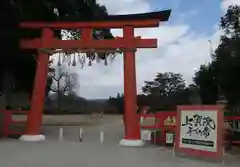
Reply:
x=178, y=51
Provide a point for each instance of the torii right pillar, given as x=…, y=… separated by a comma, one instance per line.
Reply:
x=132, y=126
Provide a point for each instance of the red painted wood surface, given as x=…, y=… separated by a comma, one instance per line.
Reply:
x=132, y=128
x=79, y=25
x=8, y=121
x=91, y=44
x=232, y=118
x=34, y=119
x=160, y=117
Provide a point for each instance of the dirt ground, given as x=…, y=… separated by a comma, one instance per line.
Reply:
x=73, y=120
x=91, y=152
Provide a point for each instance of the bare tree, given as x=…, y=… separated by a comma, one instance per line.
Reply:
x=64, y=83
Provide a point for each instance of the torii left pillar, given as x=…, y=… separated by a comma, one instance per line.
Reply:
x=34, y=120
x=132, y=130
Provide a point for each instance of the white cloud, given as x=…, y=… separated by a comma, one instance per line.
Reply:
x=180, y=50
x=226, y=3
x=126, y=6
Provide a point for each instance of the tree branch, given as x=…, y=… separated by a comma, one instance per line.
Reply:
x=53, y=90
x=54, y=78
x=65, y=89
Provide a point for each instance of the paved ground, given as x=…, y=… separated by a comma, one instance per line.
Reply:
x=90, y=153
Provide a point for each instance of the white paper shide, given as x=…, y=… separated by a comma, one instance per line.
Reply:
x=198, y=130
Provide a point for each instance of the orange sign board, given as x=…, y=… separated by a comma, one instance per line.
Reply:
x=170, y=121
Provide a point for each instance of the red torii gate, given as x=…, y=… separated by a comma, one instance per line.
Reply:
x=128, y=44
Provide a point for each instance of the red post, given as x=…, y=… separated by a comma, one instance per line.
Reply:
x=34, y=118
x=132, y=129
x=6, y=122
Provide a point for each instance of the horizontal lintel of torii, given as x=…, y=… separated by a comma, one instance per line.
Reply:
x=118, y=43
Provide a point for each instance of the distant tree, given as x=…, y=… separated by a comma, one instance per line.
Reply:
x=194, y=96
x=164, y=84
x=221, y=77
x=117, y=102
x=69, y=104
x=206, y=81
x=165, y=91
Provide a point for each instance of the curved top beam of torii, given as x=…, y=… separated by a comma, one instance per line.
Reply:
x=140, y=20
